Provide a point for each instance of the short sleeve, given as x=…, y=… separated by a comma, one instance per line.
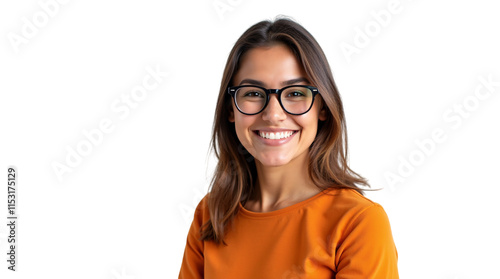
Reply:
x=368, y=249
x=193, y=261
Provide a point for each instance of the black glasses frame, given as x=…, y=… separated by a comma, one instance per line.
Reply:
x=232, y=91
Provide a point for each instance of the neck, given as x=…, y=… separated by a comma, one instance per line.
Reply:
x=282, y=186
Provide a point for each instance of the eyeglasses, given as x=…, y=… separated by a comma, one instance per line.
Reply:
x=252, y=99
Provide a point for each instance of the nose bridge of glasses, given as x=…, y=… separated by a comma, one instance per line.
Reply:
x=274, y=107
x=270, y=93
x=274, y=91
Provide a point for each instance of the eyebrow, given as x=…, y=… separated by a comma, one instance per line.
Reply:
x=284, y=83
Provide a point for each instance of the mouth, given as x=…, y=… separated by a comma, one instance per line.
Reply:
x=275, y=135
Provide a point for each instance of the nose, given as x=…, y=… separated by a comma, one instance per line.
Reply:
x=273, y=112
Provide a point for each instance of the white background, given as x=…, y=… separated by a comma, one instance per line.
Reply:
x=124, y=209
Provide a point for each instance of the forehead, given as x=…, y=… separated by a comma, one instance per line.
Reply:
x=270, y=65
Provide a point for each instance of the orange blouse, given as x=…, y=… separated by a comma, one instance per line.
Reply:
x=337, y=233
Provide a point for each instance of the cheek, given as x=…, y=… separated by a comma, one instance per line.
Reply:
x=309, y=126
x=242, y=124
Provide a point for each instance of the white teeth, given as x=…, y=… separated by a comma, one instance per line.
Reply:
x=278, y=135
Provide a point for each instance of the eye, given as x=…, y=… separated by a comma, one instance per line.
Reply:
x=251, y=94
x=295, y=93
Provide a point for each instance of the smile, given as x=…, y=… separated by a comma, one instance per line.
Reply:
x=276, y=135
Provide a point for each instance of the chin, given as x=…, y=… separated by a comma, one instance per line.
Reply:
x=273, y=161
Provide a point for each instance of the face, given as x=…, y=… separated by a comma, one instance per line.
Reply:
x=275, y=67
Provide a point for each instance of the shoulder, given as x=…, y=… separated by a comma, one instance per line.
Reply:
x=201, y=213
x=362, y=238
x=203, y=204
x=346, y=200
x=350, y=208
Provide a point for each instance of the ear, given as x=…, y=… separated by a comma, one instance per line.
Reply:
x=231, y=115
x=322, y=112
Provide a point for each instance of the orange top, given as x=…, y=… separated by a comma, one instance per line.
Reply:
x=337, y=233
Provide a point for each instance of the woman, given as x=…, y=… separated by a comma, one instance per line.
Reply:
x=283, y=203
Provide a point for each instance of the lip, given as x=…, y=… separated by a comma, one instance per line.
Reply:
x=274, y=130
x=275, y=142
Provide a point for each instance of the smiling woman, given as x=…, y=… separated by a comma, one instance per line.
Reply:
x=294, y=209
x=276, y=66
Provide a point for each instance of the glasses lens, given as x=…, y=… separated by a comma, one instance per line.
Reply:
x=297, y=99
x=250, y=99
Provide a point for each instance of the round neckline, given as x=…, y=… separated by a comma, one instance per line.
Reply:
x=253, y=214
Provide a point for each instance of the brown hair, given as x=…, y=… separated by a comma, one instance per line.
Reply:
x=235, y=173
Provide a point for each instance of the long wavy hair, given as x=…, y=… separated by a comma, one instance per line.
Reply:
x=235, y=173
